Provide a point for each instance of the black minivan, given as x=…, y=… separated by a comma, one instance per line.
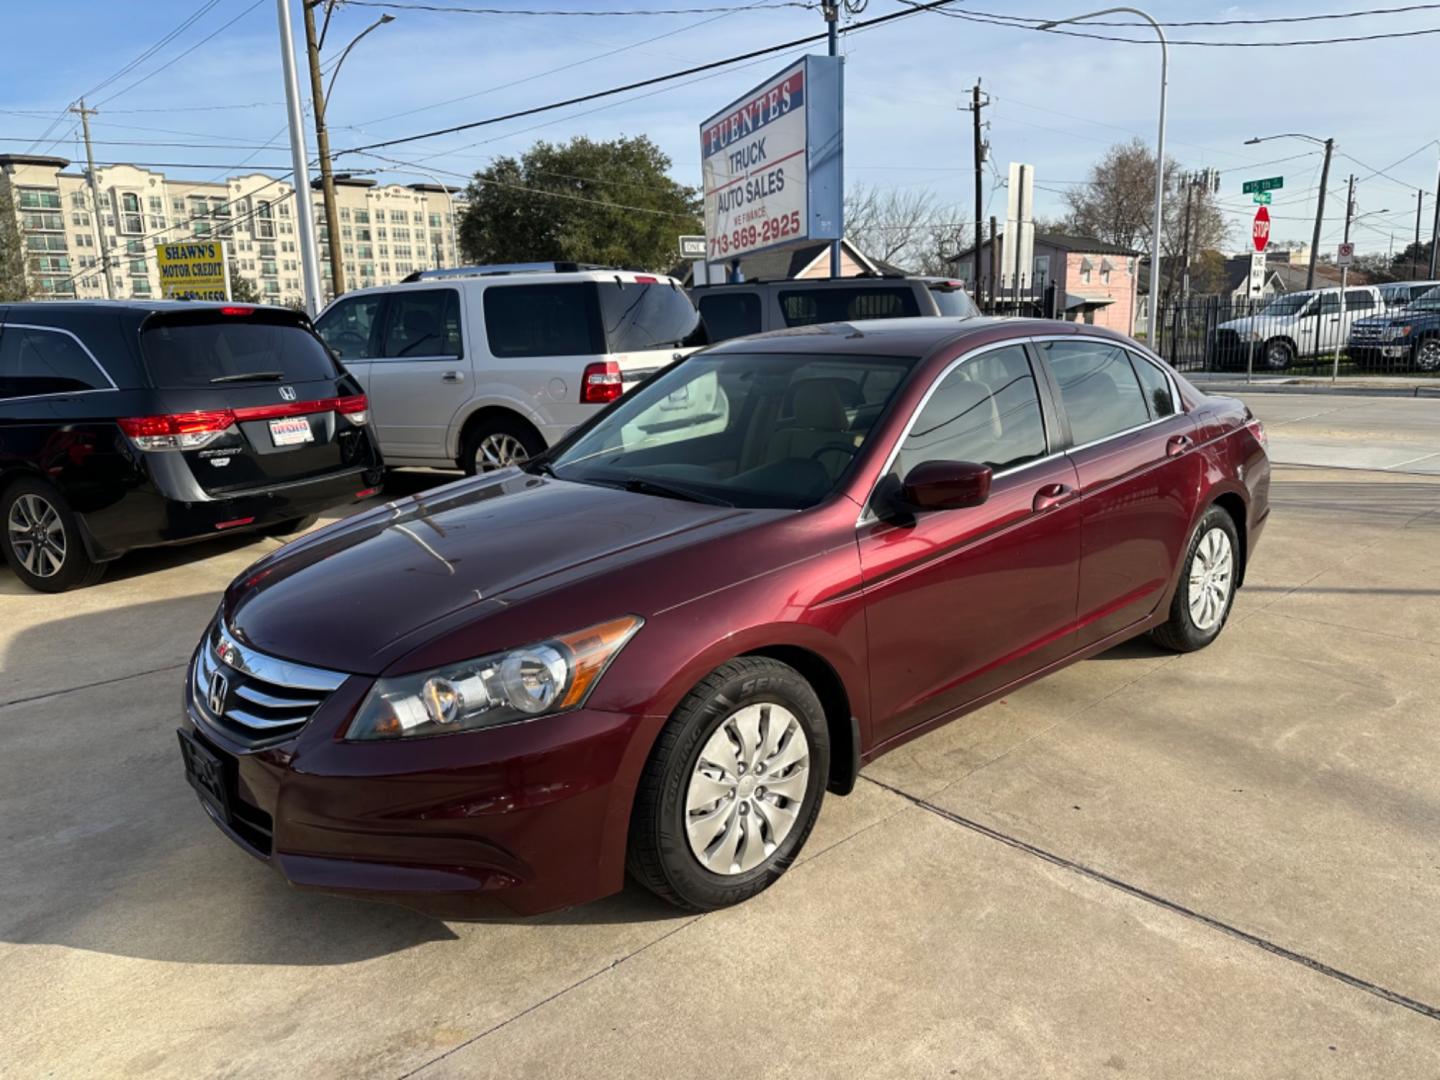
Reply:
x=133, y=424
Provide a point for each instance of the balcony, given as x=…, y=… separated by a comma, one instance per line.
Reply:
x=31, y=199
x=33, y=222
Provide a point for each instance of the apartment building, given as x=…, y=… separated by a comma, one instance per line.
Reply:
x=386, y=230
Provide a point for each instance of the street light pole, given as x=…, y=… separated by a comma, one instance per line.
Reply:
x=304, y=212
x=831, y=11
x=1329, y=145
x=1157, y=230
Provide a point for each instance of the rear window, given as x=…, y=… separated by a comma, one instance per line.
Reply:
x=645, y=315
x=953, y=300
x=200, y=349
x=730, y=315
x=810, y=306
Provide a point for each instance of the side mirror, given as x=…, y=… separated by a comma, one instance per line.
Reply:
x=946, y=485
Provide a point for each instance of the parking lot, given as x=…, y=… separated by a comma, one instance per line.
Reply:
x=1219, y=864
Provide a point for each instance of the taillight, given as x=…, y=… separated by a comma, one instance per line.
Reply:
x=355, y=408
x=237, y=311
x=646, y=279
x=177, y=431
x=1258, y=430
x=601, y=383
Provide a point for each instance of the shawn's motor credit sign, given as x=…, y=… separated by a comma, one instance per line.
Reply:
x=193, y=270
x=771, y=163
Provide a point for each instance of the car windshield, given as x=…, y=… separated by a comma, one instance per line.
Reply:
x=739, y=428
x=1287, y=305
x=1425, y=303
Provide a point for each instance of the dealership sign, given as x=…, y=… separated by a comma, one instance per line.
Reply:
x=771, y=163
x=194, y=270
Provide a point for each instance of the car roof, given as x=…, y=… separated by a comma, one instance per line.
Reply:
x=906, y=337
x=540, y=277
x=857, y=281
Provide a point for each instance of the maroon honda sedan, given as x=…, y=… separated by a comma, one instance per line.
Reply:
x=658, y=646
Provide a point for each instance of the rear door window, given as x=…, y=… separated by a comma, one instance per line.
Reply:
x=422, y=324
x=208, y=349
x=351, y=327
x=641, y=315
x=1098, y=388
x=730, y=315
x=39, y=361
x=1359, y=300
x=543, y=320
x=1159, y=394
x=806, y=307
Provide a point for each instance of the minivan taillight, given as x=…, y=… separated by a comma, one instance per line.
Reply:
x=601, y=383
x=177, y=431
x=355, y=408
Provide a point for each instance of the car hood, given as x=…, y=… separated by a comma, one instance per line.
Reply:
x=1253, y=322
x=359, y=594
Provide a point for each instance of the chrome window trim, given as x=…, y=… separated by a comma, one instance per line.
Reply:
x=867, y=515
x=83, y=347
x=273, y=670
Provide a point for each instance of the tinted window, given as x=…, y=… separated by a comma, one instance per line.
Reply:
x=953, y=301
x=543, y=320
x=349, y=327
x=1329, y=305
x=1098, y=388
x=774, y=430
x=1359, y=300
x=643, y=315
x=201, y=350
x=987, y=410
x=729, y=315
x=809, y=306
x=45, y=362
x=423, y=323
x=1156, y=384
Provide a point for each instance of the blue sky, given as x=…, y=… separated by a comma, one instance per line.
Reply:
x=1058, y=101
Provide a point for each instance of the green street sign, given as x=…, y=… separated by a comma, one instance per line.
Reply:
x=1272, y=183
x=1262, y=198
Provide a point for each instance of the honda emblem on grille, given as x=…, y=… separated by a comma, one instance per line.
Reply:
x=219, y=687
x=288, y=393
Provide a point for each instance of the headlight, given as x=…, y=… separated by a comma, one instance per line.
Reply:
x=1393, y=332
x=534, y=680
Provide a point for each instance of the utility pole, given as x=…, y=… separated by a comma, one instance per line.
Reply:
x=85, y=115
x=1419, y=204
x=322, y=139
x=1319, y=214
x=976, y=104
x=1435, y=226
x=1340, y=334
x=831, y=11
x=994, y=262
x=304, y=212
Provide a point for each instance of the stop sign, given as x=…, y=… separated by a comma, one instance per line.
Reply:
x=1260, y=231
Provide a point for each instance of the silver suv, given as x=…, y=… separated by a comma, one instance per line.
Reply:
x=483, y=367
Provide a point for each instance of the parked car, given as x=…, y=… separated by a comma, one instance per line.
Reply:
x=1405, y=338
x=754, y=307
x=660, y=643
x=1399, y=294
x=485, y=366
x=128, y=425
x=1291, y=327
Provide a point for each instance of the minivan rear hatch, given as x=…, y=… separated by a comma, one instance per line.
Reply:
x=248, y=395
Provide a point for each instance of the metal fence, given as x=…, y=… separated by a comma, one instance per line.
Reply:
x=1023, y=298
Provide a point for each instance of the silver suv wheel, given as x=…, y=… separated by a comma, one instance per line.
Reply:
x=498, y=450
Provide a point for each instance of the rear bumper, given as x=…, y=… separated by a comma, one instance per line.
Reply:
x=518, y=820
x=146, y=516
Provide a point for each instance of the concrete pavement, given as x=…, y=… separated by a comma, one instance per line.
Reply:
x=1221, y=864
x=1393, y=434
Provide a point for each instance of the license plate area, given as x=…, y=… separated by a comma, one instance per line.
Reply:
x=206, y=774
x=291, y=431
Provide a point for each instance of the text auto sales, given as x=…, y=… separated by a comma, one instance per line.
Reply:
x=741, y=125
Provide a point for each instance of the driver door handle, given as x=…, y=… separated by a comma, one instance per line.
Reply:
x=453, y=376
x=1052, y=495
x=1177, y=445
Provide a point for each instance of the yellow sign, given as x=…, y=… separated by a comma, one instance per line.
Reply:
x=194, y=270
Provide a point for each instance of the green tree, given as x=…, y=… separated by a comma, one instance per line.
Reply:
x=242, y=289
x=582, y=201
x=14, y=285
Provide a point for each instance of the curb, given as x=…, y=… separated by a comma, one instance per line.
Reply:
x=1269, y=387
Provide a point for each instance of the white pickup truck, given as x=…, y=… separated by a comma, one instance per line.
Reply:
x=1295, y=325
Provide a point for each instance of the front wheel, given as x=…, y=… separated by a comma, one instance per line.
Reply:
x=1279, y=354
x=1427, y=355
x=1207, y=585
x=732, y=787
x=41, y=539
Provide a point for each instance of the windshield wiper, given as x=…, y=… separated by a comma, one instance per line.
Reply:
x=250, y=376
x=544, y=468
x=665, y=491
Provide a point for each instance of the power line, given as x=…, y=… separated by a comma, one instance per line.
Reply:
x=763, y=6
x=1266, y=20
x=176, y=59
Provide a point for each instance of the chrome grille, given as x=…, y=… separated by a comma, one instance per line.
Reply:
x=256, y=698
x=1361, y=332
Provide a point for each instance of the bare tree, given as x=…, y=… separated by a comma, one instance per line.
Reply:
x=909, y=229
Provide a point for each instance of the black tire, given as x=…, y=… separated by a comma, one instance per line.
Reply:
x=1277, y=355
x=1427, y=354
x=76, y=569
x=506, y=430
x=659, y=854
x=1180, y=632
x=291, y=527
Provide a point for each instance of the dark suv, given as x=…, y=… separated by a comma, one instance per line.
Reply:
x=127, y=425
x=1408, y=337
x=754, y=307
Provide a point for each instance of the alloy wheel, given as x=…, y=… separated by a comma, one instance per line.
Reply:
x=1427, y=356
x=746, y=788
x=1277, y=356
x=497, y=451
x=37, y=535
x=1211, y=575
